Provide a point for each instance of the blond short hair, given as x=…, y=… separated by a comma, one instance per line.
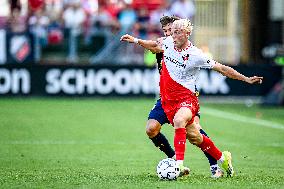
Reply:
x=183, y=24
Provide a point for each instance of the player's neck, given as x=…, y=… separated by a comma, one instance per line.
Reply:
x=184, y=46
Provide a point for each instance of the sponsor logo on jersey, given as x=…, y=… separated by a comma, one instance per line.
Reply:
x=176, y=62
x=185, y=104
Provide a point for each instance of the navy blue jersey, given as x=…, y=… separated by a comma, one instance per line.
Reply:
x=159, y=57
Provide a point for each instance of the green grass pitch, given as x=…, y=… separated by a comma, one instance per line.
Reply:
x=101, y=143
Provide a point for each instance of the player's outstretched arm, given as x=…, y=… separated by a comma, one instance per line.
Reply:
x=233, y=74
x=153, y=46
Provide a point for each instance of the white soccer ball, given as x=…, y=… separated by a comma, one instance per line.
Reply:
x=167, y=169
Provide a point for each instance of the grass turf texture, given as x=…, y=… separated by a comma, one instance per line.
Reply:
x=92, y=143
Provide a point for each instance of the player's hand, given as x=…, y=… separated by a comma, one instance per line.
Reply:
x=254, y=80
x=127, y=38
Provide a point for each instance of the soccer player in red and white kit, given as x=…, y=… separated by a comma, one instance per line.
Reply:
x=157, y=117
x=181, y=64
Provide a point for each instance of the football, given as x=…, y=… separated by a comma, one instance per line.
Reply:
x=167, y=169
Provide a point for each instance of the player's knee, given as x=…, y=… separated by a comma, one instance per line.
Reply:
x=152, y=130
x=179, y=122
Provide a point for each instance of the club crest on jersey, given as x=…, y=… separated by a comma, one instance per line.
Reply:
x=185, y=57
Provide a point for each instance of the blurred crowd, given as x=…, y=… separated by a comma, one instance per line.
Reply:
x=86, y=15
x=53, y=20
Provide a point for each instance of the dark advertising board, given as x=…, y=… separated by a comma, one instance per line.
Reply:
x=39, y=80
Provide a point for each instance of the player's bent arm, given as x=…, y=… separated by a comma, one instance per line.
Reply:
x=233, y=74
x=153, y=46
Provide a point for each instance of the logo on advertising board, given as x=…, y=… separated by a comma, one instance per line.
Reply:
x=20, y=48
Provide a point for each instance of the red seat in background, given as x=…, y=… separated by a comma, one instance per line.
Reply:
x=150, y=5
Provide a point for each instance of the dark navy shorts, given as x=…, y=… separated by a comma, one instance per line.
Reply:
x=157, y=113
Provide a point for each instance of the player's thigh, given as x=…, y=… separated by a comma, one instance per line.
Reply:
x=182, y=117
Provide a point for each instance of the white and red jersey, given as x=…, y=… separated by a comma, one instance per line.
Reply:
x=179, y=74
